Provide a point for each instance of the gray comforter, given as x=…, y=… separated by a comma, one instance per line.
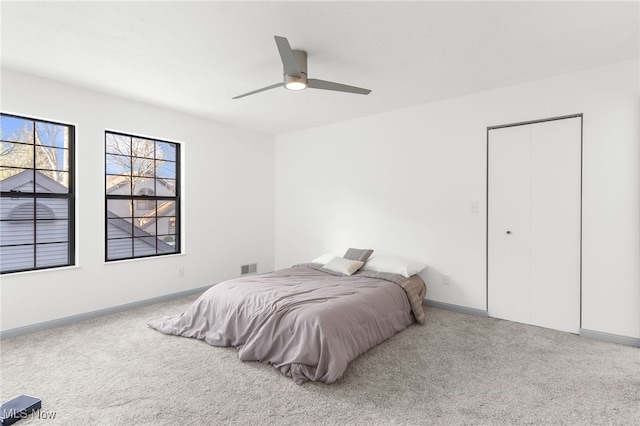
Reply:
x=306, y=321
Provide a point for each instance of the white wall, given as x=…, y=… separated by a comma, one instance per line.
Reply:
x=228, y=204
x=402, y=182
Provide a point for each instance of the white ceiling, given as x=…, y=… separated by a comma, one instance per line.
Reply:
x=195, y=56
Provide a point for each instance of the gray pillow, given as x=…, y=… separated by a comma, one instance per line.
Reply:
x=360, y=255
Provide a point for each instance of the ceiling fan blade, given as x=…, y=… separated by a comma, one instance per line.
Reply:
x=314, y=83
x=289, y=62
x=273, y=86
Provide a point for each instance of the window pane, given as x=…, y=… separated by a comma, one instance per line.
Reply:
x=16, y=232
x=142, y=167
x=143, y=148
x=52, y=158
x=119, y=249
x=8, y=204
x=16, y=258
x=144, y=246
x=16, y=129
x=167, y=239
x=167, y=187
x=52, y=231
x=143, y=231
x=16, y=155
x=166, y=208
x=52, y=255
x=52, y=182
x=52, y=135
x=167, y=225
x=19, y=208
x=119, y=228
x=146, y=208
x=117, y=144
x=165, y=169
x=16, y=180
x=145, y=225
x=120, y=208
x=57, y=208
x=118, y=165
x=166, y=245
x=166, y=151
x=118, y=185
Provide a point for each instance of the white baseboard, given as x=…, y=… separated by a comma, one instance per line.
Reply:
x=19, y=331
x=611, y=338
x=456, y=308
x=597, y=335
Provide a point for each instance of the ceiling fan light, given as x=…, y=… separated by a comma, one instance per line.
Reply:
x=293, y=82
x=295, y=85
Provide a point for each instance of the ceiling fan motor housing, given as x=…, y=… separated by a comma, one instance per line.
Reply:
x=301, y=59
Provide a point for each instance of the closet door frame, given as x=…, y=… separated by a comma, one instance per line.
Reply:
x=523, y=123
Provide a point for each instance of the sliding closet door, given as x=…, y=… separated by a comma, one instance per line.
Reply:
x=534, y=187
x=509, y=267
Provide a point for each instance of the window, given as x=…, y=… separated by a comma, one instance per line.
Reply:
x=142, y=187
x=36, y=194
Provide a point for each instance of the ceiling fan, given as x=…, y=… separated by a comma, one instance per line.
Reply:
x=295, y=73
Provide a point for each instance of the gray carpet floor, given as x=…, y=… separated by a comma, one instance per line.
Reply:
x=456, y=369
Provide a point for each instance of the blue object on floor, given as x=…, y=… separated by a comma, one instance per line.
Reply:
x=18, y=408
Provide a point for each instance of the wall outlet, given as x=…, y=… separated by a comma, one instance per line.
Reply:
x=473, y=207
x=446, y=279
x=181, y=271
x=251, y=268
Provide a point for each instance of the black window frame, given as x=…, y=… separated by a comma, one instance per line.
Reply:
x=134, y=199
x=35, y=197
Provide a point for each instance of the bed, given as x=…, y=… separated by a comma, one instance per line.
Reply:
x=307, y=321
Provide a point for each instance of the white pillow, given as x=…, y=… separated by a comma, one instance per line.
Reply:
x=344, y=266
x=394, y=265
x=325, y=258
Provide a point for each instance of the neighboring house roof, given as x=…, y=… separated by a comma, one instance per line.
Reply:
x=162, y=210
x=115, y=182
x=25, y=178
x=122, y=224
